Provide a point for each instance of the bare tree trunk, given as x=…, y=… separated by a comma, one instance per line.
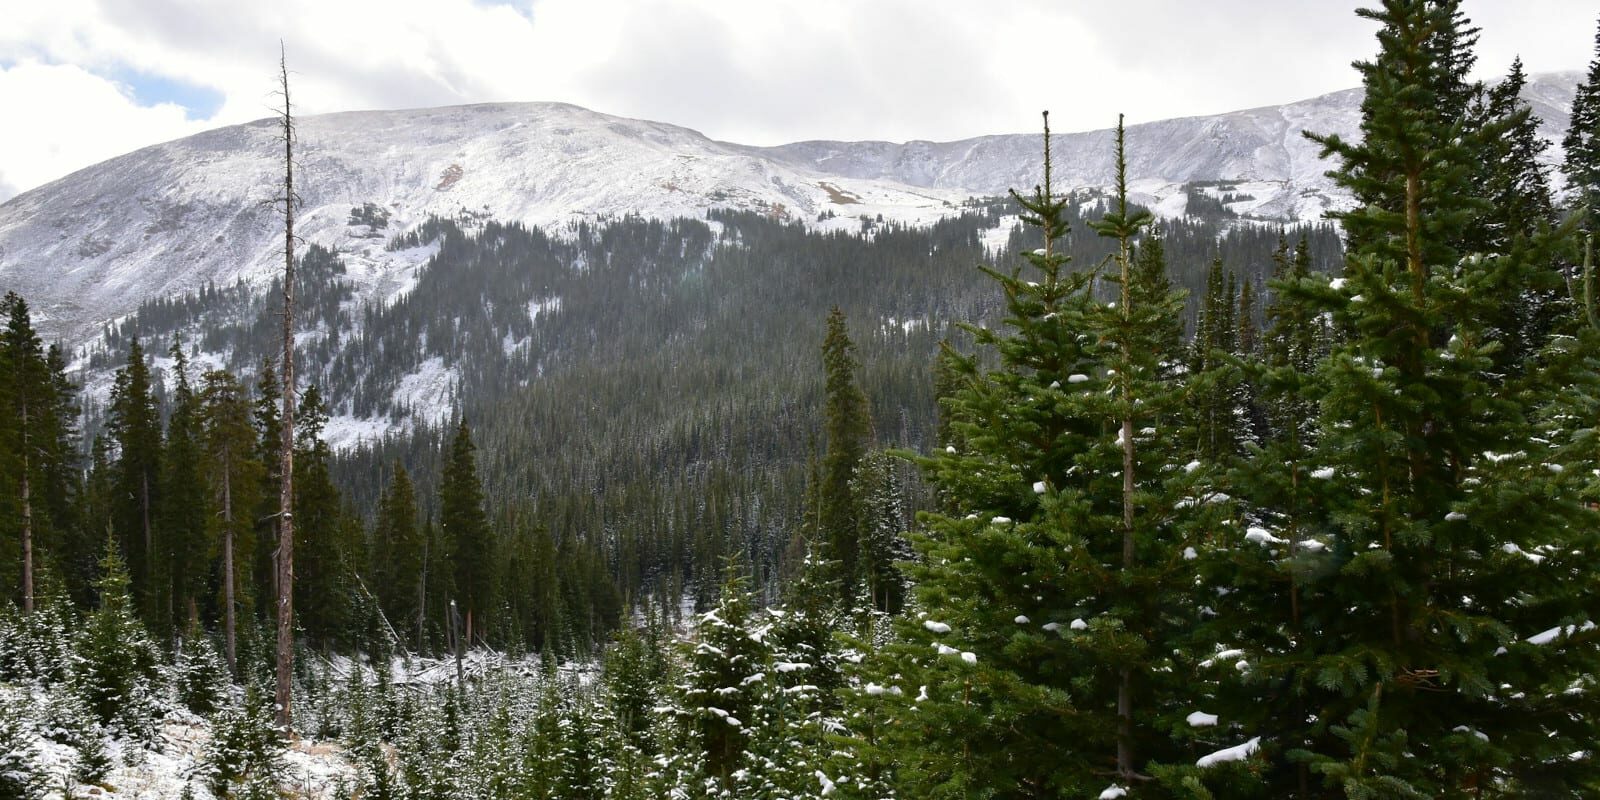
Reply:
x=285, y=654
x=1125, y=754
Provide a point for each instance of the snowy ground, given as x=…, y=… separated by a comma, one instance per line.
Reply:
x=163, y=769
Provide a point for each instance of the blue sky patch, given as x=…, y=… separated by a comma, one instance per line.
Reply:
x=199, y=102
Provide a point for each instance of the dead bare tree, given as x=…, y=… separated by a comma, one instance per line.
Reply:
x=284, y=695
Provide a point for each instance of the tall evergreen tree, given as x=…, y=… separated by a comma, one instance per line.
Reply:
x=322, y=587
x=135, y=427
x=1045, y=661
x=186, y=511
x=29, y=446
x=848, y=428
x=1152, y=284
x=1581, y=145
x=74, y=546
x=465, y=527
x=882, y=544
x=1215, y=382
x=1437, y=541
x=230, y=459
x=268, y=420
x=1514, y=181
x=397, y=553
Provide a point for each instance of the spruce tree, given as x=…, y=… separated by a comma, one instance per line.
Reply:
x=1514, y=181
x=268, y=415
x=848, y=428
x=186, y=510
x=200, y=677
x=539, y=739
x=243, y=757
x=21, y=777
x=1434, y=538
x=322, y=588
x=29, y=447
x=230, y=459
x=115, y=666
x=1046, y=655
x=397, y=552
x=631, y=685
x=800, y=706
x=135, y=427
x=725, y=665
x=464, y=530
x=882, y=544
x=1215, y=381
x=1581, y=146
x=71, y=547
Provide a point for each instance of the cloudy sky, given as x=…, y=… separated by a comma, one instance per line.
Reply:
x=84, y=80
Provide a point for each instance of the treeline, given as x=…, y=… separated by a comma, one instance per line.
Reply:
x=1328, y=536
x=188, y=499
x=637, y=421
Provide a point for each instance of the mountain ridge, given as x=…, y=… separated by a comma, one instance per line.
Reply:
x=176, y=216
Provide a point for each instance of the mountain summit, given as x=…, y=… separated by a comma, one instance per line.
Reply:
x=173, y=217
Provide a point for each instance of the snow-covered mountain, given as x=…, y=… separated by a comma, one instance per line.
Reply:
x=1262, y=149
x=171, y=218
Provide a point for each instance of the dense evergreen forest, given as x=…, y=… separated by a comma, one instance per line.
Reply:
x=729, y=508
x=646, y=396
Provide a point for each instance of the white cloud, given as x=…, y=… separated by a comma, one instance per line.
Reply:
x=756, y=72
x=73, y=119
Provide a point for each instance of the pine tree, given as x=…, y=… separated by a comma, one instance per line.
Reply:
x=1152, y=285
x=37, y=648
x=21, y=777
x=116, y=667
x=1581, y=145
x=584, y=767
x=882, y=524
x=185, y=512
x=1215, y=381
x=1045, y=659
x=1436, y=543
x=71, y=546
x=236, y=480
x=322, y=589
x=1431, y=83
x=848, y=427
x=465, y=528
x=632, y=681
x=724, y=666
x=200, y=676
x=29, y=444
x=135, y=428
x=397, y=550
x=269, y=431
x=1518, y=218
x=243, y=757
x=800, y=703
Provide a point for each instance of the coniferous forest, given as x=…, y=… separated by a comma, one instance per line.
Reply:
x=727, y=507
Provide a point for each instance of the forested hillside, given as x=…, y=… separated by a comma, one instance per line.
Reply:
x=646, y=395
x=727, y=507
